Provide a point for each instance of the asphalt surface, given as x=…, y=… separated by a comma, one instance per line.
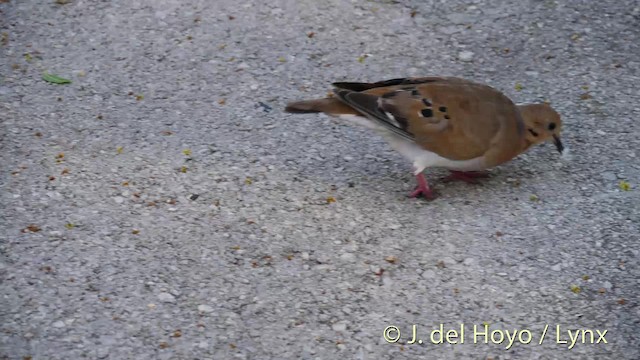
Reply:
x=162, y=205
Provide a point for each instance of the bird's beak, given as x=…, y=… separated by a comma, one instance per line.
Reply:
x=558, y=143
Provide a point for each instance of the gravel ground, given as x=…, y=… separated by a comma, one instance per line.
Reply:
x=162, y=205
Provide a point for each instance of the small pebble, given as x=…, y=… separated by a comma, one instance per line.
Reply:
x=59, y=324
x=102, y=353
x=428, y=274
x=339, y=326
x=466, y=56
x=348, y=257
x=166, y=298
x=205, y=309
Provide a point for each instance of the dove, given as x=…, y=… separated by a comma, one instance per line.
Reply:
x=447, y=122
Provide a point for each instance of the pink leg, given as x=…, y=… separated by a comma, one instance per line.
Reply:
x=422, y=188
x=466, y=176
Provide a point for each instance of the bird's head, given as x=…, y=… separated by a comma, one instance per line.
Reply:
x=541, y=123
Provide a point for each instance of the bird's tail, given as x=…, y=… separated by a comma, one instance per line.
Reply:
x=332, y=106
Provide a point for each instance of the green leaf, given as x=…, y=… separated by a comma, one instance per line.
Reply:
x=54, y=79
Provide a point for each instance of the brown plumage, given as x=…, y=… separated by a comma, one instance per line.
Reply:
x=441, y=121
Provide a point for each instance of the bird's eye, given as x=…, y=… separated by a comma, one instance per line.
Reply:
x=552, y=126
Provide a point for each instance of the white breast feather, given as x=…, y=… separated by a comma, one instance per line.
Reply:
x=420, y=157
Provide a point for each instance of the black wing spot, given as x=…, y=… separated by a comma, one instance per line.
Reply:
x=426, y=102
x=426, y=113
x=533, y=133
x=447, y=117
x=443, y=108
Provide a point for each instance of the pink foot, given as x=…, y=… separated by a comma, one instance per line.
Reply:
x=422, y=189
x=466, y=176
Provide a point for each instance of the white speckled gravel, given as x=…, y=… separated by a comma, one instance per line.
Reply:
x=106, y=252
